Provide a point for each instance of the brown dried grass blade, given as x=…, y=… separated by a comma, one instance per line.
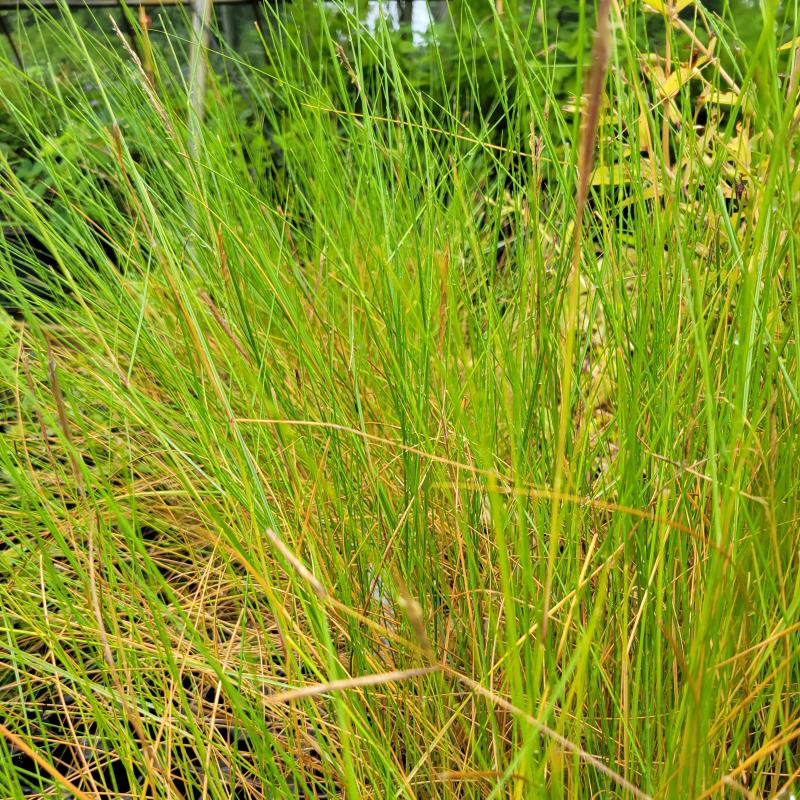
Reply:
x=316, y=689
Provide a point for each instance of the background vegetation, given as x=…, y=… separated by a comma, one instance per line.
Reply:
x=344, y=455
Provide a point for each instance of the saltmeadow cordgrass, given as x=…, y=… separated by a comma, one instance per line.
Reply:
x=402, y=453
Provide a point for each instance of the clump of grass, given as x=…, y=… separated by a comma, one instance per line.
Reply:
x=344, y=465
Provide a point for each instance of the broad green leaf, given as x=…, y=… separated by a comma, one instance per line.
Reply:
x=611, y=175
x=660, y=7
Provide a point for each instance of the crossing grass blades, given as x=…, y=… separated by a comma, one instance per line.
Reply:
x=428, y=458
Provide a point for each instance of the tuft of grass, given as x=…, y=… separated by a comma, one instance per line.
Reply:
x=407, y=450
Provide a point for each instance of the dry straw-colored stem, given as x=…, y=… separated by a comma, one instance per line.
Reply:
x=597, y=75
x=301, y=569
x=22, y=745
x=346, y=684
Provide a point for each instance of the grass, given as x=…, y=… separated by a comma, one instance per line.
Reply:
x=415, y=460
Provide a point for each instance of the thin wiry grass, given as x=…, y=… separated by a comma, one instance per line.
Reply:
x=419, y=452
